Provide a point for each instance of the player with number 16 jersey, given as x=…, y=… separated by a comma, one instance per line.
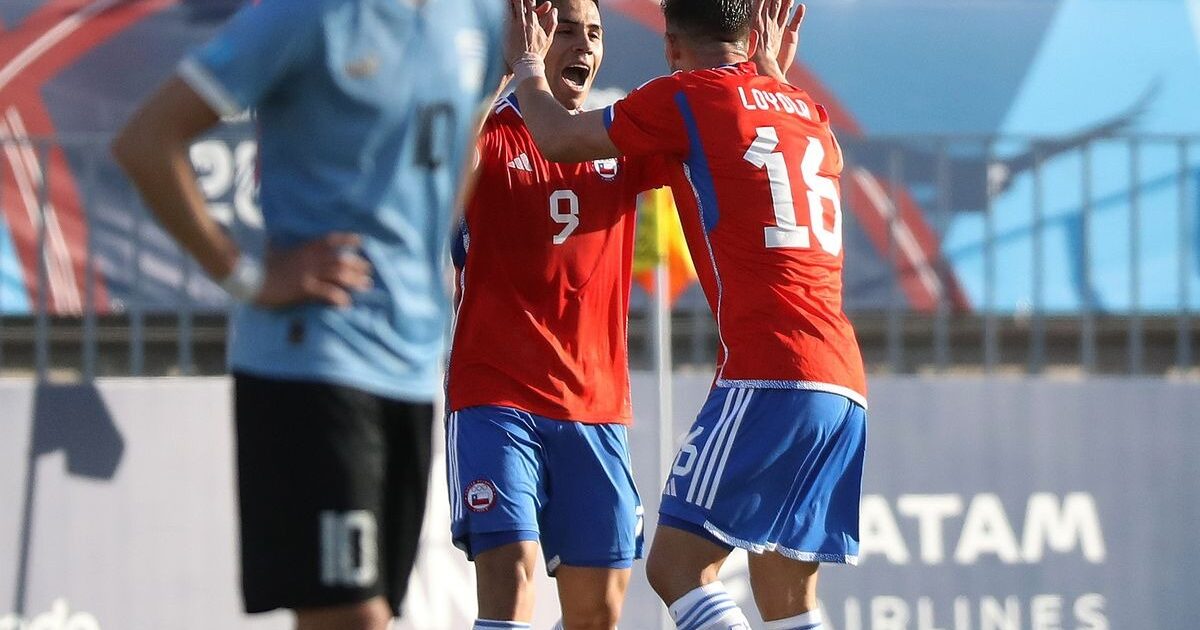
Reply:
x=748, y=143
x=774, y=460
x=773, y=463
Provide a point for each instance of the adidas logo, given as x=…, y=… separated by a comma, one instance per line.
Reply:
x=521, y=163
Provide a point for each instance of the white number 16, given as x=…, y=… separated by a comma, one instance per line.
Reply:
x=786, y=232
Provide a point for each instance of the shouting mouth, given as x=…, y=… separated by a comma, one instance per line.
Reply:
x=576, y=75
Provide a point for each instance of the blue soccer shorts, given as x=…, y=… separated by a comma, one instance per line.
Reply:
x=772, y=470
x=516, y=476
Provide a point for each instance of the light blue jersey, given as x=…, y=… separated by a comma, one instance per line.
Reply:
x=364, y=109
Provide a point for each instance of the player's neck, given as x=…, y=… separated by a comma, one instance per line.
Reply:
x=716, y=55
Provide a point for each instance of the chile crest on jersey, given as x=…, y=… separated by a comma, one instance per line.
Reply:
x=606, y=168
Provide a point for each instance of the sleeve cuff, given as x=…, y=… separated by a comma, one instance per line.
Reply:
x=610, y=113
x=209, y=88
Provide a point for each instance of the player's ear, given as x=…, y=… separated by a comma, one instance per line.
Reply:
x=752, y=47
x=671, y=50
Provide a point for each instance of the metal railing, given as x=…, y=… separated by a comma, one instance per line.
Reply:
x=99, y=289
x=964, y=253
x=1014, y=181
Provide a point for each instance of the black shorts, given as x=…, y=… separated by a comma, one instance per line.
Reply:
x=332, y=483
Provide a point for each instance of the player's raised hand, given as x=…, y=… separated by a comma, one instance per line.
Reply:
x=778, y=36
x=790, y=42
x=769, y=34
x=325, y=270
x=531, y=30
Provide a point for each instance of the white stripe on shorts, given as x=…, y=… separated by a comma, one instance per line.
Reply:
x=708, y=444
x=458, y=480
x=728, y=449
x=452, y=458
x=722, y=442
x=459, y=484
x=450, y=464
x=710, y=466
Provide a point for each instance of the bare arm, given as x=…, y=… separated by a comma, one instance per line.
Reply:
x=153, y=150
x=560, y=135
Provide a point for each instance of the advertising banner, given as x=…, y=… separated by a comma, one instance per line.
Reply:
x=988, y=505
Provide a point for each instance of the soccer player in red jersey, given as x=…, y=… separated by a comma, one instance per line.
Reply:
x=773, y=462
x=538, y=380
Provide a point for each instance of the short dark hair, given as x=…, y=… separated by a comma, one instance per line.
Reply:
x=559, y=2
x=714, y=20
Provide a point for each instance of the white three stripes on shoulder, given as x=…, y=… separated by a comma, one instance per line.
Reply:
x=507, y=103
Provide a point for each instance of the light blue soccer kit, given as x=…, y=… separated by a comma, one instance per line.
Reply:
x=365, y=109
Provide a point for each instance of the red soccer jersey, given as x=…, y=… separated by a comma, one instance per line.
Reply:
x=544, y=292
x=756, y=183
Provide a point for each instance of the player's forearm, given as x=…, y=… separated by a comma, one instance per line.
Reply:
x=770, y=68
x=153, y=150
x=548, y=121
x=160, y=170
x=560, y=135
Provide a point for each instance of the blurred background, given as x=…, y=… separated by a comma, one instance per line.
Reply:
x=1022, y=267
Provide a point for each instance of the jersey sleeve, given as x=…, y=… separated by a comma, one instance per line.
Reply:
x=648, y=121
x=458, y=246
x=491, y=181
x=258, y=48
x=650, y=171
x=487, y=151
x=489, y=146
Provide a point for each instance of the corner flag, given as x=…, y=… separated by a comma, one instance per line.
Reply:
x=660, y=241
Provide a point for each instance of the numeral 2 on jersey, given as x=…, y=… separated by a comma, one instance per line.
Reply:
x=786, y=232
x=568, y=218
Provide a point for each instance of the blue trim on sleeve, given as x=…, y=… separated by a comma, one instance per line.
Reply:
x=610, y=113
x=458, y=245
x=697, y=164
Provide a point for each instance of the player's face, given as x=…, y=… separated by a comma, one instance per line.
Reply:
x=575, y=55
